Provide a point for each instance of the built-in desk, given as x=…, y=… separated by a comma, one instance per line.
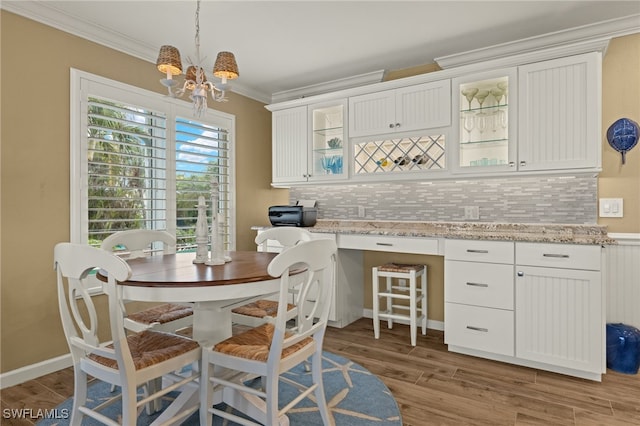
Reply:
x=558, y=325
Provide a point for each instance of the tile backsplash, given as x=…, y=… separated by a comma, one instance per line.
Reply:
x=562, y=199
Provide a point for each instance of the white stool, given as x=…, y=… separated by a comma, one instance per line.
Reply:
x=417, y=297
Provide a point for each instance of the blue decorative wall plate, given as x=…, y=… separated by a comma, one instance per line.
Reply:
x=623, y=135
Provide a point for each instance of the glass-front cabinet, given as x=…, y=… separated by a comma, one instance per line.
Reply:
x=309, y=143
x=328, y=141
x=486, y=128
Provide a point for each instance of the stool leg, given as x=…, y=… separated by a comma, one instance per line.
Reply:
x=389, y=303
x=424, y=307
x=412, y=307
x=376, y=304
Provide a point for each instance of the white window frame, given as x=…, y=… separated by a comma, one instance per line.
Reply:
x=83, y=85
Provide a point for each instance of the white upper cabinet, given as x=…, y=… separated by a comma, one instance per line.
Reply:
x=485, y=106
x=309, y=143
x=560, y=114
x=289, y=145
x=417, y=107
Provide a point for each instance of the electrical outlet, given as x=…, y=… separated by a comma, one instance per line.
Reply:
x=472, y=212
x=361, y=211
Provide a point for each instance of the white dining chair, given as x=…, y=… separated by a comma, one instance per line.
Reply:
x=138, y=243
x=272, y=349
x=262, y=310
x=129, y=360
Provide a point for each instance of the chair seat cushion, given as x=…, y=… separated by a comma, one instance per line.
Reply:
x=260, y=309
x=255, y=343
x=151, y=347
x=399, y=267
x=161, y=314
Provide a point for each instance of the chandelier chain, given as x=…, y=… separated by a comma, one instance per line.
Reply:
x=198, y=32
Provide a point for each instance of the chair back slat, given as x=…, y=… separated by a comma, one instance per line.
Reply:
x=139, y=242
x=287, y=236
x=74, y=263
x=318, y=258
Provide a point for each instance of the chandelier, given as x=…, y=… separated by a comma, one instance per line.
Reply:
x=170, y=64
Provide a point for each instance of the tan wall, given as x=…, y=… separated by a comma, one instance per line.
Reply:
x=621, y=98
x=35, y=62
x=34, y=160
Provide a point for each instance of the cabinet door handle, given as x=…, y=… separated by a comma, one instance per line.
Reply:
x=478, y=284
x=520, y=274
x=384, y=244
x=484, y=330
x=397, y=124
x=523, y=163
x=477, y=251
x=512, y=164
x=563, y=256
x=391, y=126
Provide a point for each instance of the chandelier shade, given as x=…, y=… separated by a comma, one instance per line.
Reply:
x=169, y=61
x=170, y=64
x=226, y=66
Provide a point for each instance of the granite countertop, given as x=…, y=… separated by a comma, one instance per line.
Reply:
x=544, y=233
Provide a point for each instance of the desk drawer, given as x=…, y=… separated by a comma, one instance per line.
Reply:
x=479, y=251
x=480, y=284
x=567, y=256
x=484, y=329
x=389, y=243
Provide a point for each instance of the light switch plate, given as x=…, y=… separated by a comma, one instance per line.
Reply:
x=611, y=207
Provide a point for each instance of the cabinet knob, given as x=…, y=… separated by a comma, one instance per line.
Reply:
x=523, y=163
x=520, y=274
x=391, y=126
x=397, y=124
x=512, y=164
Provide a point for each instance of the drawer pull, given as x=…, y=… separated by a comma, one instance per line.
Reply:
x=384, y=244
x=484, y=330
x=477, y=251
x=564, y=256
x=478, y=284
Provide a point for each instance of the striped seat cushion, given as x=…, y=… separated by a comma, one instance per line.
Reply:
x=255, y=343
x=151, y=347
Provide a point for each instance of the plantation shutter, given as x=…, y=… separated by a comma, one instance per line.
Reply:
x=202, y=157
x=127, y=168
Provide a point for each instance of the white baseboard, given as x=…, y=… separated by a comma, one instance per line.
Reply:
x=33, y=371
x=432, y=324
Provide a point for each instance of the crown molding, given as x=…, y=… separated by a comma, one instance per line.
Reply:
x=44, y=13
x=41, y=11
x=329, y=86
x=590, y=37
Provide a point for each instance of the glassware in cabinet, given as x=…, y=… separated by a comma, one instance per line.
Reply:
x=328, y=140
x=483, y=129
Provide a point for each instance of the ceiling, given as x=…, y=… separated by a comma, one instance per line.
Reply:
x=287, y=45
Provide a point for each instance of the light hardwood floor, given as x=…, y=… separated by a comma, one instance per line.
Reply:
x=433, y=386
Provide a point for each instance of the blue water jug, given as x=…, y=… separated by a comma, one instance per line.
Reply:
x=623, y=348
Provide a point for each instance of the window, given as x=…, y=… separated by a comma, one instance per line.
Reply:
x=140, y=161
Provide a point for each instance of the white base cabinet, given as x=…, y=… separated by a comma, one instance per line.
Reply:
x=478, y=295
x=533, y=304
x=559, y=314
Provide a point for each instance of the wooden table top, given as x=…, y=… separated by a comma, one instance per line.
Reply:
x=178, y=270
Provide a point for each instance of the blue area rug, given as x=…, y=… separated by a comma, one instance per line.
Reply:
x=356, y=397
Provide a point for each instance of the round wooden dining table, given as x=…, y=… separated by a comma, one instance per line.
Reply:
x=213, y=290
